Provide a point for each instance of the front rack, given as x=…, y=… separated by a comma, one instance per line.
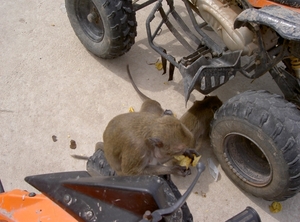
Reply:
x=198, y=71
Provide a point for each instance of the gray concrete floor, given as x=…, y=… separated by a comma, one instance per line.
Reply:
x=50, y=85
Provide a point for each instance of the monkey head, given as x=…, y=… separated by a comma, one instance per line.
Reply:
x=170, y=138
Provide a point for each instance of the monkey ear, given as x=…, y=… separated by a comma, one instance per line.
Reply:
x=155, y=142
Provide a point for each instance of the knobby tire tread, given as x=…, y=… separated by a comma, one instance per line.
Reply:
x=123, y=26
x=120, y=32
x=279, y=119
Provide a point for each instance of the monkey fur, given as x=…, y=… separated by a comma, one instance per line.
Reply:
x=98, y=145
x=141, y=142
x=149, y=105
x=198, y=118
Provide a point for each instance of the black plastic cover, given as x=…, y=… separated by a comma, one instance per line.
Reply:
x=284, y=21
x=89, y=198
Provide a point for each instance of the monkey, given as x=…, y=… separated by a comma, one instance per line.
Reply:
x=198, y=118
x=149, y=105
x=139, y=143
x=79, y=157
x=98, y=145
x=96, y=164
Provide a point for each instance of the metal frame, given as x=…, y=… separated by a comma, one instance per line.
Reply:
x=207, y=74
x=198, y=72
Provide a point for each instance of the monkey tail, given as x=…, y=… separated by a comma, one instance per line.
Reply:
x=80, y=157
x=142, y=95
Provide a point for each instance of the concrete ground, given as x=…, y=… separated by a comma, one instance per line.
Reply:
x=51, y=86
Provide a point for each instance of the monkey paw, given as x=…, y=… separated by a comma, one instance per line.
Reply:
x=190, y=153
x=181, y=171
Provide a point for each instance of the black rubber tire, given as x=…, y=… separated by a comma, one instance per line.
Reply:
x=107, y=28
x=97, y=165
x=256, y=138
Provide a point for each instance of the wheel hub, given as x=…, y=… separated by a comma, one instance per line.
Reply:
x=92, y=17
x=90, y=20
x=247, y=160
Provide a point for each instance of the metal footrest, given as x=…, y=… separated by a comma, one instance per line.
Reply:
x=205, y=75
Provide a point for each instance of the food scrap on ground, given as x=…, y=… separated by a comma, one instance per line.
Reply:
x=275, y=207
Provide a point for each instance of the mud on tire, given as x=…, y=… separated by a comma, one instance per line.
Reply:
x=256, y=138
x=107, y=28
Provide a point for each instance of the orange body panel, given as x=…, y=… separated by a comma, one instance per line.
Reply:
x=262, y=3
x=17, y=205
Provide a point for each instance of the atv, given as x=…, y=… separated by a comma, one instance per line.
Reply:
x=255, y=135
x=99, y=195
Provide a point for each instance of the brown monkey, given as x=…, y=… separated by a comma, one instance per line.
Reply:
x=149, y=105
x=140, y=142
x=98, y=146
x=197, y=119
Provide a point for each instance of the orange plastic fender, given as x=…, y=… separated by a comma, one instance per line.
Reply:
x=19, y=205
x=262, y=3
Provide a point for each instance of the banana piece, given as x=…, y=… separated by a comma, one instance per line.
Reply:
x=275, y=207
x=196, y=160
x=186, y=161
x=131, y=109
x=159, y=65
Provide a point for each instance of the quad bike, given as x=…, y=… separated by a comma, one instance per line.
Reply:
x=98, y=194
x=255, y=135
